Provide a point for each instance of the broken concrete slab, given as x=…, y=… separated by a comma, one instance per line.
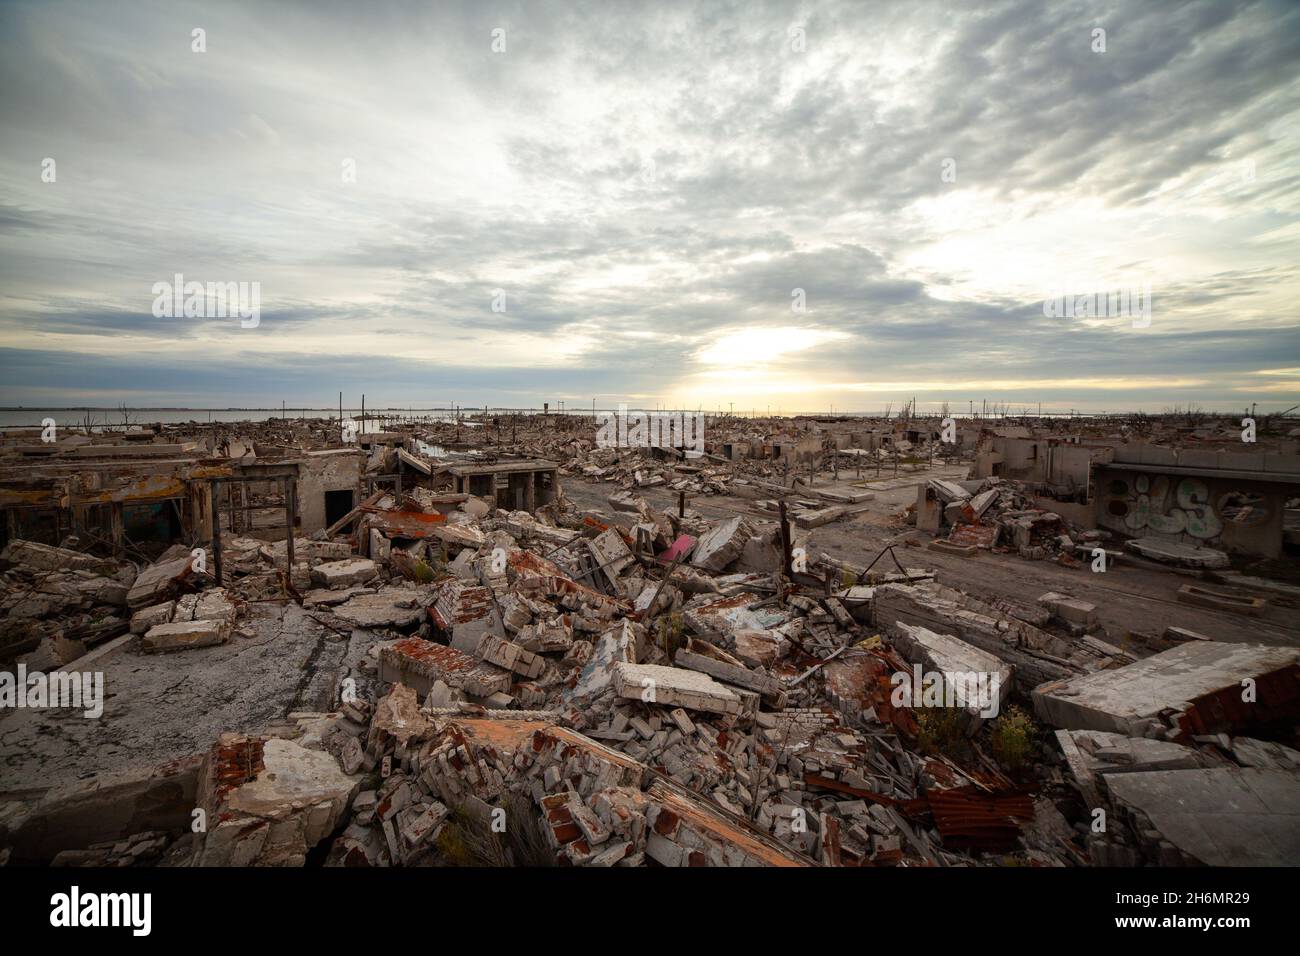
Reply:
x=43, y=557
x=1177, y=553
x=686, y=831
x=677, y=687
x=466, y=613
x=323, y=597
x=511, y=656
x=948, y=490
x=1203, y=597
x=215, y=605
x=722, y=544
x=1223, y=817
x=1070, y=610
x=268, y=802
x=419, y=664
x=184, y=635
x=1265, y=754
x=388, y=607
x=762, y=553
x=617, y=645
x=1193, y=688
x=152, y=616
x=612, y=555
x=397, y=717
x=707, y=659
x=159, y=581
x=107, y=807
x=980, y=503
x=343, y=574
x=843, y=497
x=713, y=615
x=1037, y=655
x=759, y=648
x=809, y=518
x=980, y=682
x=1091, y=754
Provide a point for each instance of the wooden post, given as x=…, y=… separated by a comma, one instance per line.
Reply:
x=215, y=494
x=288, y=518
x=786, y=556
x=681, y=504
x=118, y=529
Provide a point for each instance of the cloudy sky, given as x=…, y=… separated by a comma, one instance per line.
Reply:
x=651, y=192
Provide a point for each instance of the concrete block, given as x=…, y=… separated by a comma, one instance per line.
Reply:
x=1070, y=609
x=677, y=687
x=1193, y=688
x=343, y=574
x=184, y=635
x=145, y=618
x=721, y=545
x=511, y=656
x=980, y=682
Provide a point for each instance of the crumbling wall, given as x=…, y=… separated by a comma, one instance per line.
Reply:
x=333, y=470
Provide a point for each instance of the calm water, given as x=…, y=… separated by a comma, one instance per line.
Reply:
x=75, y=417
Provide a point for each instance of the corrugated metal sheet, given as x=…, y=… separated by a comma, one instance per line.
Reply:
x=967, y=818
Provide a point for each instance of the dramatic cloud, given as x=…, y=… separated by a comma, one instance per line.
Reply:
x=795, y=206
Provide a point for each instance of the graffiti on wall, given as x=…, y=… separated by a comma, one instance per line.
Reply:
x=1166, y=505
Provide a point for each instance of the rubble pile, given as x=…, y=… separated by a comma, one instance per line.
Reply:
x=996, y=514
x=552, y=686
x=56, y=603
